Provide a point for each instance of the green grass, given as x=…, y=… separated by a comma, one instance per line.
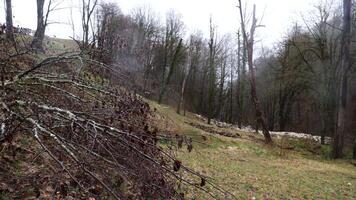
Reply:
x=250, y=169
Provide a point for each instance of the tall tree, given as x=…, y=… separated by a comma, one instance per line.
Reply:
x=172, y=67
x=9, y=24
x=221, y=87
x=212, y=71
x=241, y=73
x=147, y=36
x=342, y=75
x=172, y=48
x=231, y=113
x=249, y=41
x=323, y=44
x=186, y=72
x=42, y=22
x=88, y=8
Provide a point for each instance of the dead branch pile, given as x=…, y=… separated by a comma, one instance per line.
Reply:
x=98, y=134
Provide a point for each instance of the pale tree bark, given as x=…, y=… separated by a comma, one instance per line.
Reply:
x=182, y=92
x=9, y=24
x=186, y=76
x=338, y=142
x=249, y=42
x=240, y=82
x=212, y=72
x=231, y=116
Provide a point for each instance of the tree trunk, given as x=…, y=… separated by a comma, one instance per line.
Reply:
x=249, y=41
x=241, y=71
x=41, y=28
x=88, y=9
x=212, y=73
x=171, y=70
x=259, y=115
x=338, y=142
x=221, y=90
x=354, y=151
x=181, y=100
x=9, y=24
x=201, y=104
x=231, y=96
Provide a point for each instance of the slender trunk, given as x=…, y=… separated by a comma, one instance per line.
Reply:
x=221, y=91
x=241, y=70
x=9, y=24
x=338, y=143
x=354, y=151
x=41, y=28
x=282, y=120
x=88, y=9
x=202, y=89
x=342, y=86
x=323, y=130
x=181, y=100
x=165, y=64
x=212, y=73
x=231, y=96
x=186, y=76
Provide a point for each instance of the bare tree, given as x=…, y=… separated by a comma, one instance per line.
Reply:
x=241, y=73
x=88, y=8
x=147, y=36
x=9, y=24
x=211, y=71
x=249, y=42
x=186, y=73
x=324, y=45
x=192, y=60
x=231, y=114
x=342, y=75
x=171, y=69
x=172, y=46
x=42, y=22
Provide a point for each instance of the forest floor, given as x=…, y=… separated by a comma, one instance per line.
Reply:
x=244, y=165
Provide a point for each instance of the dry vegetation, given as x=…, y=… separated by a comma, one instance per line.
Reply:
x=69, y=133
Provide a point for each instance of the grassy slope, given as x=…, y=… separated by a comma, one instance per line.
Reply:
x=252, y=170
x=247, y=167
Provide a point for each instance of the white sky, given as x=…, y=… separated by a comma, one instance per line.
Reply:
x=279, y=15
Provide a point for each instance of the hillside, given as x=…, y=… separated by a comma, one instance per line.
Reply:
x=251, y=170
x=155, y=104
x=67, y=132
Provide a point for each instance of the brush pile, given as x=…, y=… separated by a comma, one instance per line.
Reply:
x=96, y=135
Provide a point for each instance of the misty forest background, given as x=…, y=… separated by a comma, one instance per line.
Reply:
x=297, y=79
x=106, y=113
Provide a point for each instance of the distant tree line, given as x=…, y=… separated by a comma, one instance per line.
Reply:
x=297, y=82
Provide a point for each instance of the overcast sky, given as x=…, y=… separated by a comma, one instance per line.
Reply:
x=279, y=15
